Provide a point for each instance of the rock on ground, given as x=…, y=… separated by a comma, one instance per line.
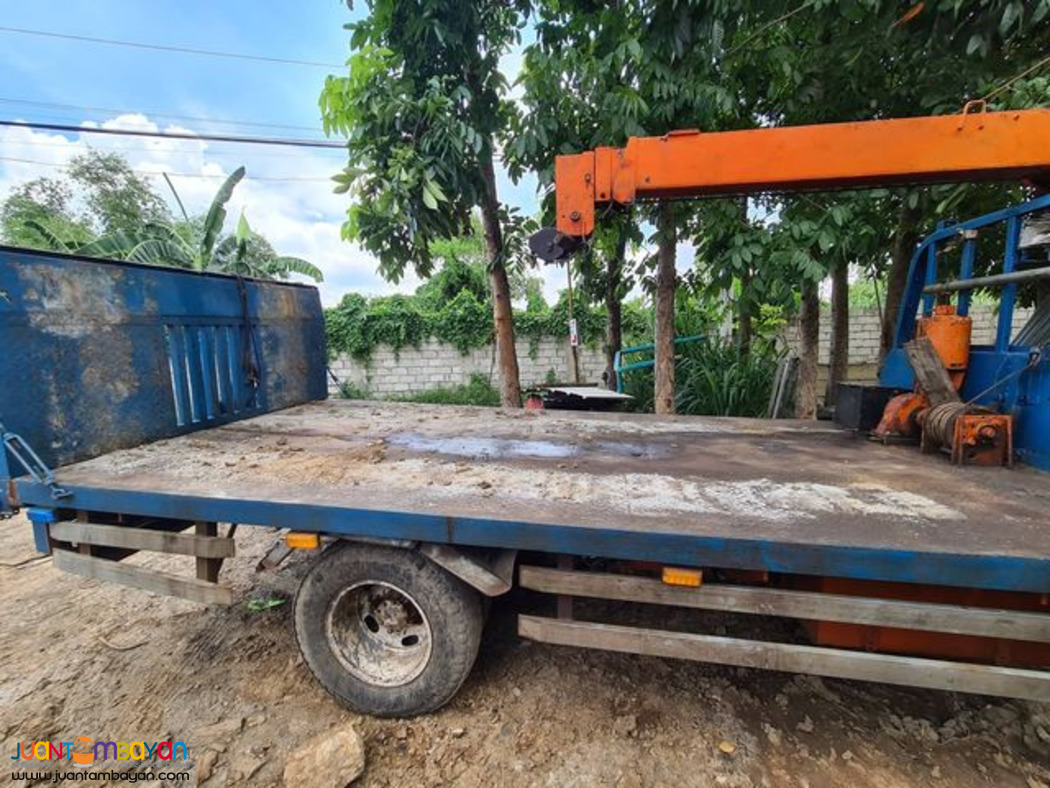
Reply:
x=332, y=760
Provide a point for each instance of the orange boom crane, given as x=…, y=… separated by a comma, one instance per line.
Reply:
x=972, y=146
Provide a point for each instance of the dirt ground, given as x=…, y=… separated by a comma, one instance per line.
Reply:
x=80, y=657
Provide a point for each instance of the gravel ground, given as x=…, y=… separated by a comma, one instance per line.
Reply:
x=79, y=657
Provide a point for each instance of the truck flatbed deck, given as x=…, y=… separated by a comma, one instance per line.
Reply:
x=792, y=497
x=147, y=408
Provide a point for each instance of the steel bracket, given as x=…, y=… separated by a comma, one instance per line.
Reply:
x=489, y=571
x=31, y=461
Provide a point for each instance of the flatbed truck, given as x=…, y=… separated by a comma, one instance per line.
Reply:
x=150, y=409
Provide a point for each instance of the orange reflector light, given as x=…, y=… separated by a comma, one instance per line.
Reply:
x=301, y=541
x=676, y=576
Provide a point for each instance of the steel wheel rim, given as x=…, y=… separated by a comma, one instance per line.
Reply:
x=379, y=634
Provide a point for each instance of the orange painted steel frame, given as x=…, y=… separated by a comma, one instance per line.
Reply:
x=927, y=644
x=971, y=146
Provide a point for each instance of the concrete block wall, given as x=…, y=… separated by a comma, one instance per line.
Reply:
x=864, y=332
x=437, y=365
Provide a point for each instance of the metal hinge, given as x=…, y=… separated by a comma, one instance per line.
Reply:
x=31, y=461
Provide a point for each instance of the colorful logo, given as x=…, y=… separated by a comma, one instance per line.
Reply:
x=85, y=751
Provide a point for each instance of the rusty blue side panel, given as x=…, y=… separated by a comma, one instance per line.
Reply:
x=97, y=355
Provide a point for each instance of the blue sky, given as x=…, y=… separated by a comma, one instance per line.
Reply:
x=299, y=216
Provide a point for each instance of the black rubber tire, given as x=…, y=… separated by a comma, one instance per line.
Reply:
x=453, y=609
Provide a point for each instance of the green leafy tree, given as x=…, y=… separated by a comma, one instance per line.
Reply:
x=423, y=110
x=39, y=214
x=600, y=73
x=189, y=244
x=117, y=199
x=462, y=267
x=841, y=61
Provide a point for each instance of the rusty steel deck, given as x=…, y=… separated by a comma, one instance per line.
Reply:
x=782, y=496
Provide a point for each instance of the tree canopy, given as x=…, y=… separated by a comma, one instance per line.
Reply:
x=424, y=109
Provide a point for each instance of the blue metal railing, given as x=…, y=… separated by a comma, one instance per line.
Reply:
x=619, y=367
x=923, y=269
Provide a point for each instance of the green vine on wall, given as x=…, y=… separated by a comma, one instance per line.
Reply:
x=359, y=325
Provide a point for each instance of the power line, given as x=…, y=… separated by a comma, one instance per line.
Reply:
x=166, y=48
x=177, y=135
x=120, y=146
x=60, y=166
x=169, y=115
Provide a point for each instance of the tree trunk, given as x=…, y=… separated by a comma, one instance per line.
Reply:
x=903, y=247
x=614, y=310
x=809, y=328
x=745, y=318
x=745, y=327
x=838, y=365
x=665, y=287
x=502, y=310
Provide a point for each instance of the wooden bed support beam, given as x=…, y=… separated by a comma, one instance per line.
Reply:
x=98, y=548
x=806, y=605
x=792, y=658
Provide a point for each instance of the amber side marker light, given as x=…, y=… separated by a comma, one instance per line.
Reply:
x=301, y=541
x=676, y=576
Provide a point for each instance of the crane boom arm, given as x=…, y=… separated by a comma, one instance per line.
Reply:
x=975, y=146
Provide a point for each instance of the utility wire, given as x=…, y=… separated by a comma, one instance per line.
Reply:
x=121, y=146
x=60, y=166
x=177, y=135
x=761, y=30
x=172, y=116
x=1045, y=61
x=165, y=48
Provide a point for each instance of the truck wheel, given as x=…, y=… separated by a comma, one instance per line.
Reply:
x=385, y=630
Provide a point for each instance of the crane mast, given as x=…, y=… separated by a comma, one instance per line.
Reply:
x=968, y=147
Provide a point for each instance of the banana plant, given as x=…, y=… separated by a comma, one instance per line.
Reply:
x=165, y=244
x=199, y=245
x=233, y=255
x=194, y=245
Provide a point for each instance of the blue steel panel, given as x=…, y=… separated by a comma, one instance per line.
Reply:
x=896, y=371
x=931, y=278
x=1008, y=295
x=108, y=355
x=176, y=353
x=196, y=378
x=6, y=507
x=211, y=410
x=966, y=266
x=222, y=372
x=1005, y=572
